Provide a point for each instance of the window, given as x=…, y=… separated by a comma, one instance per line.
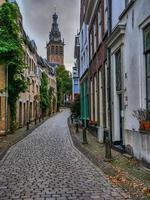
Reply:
x=37, y=89
x=56, y=49
x=84, y=60
x=95, y=98
x=52, y=49
x=87, y=56
x=28, y=83
x=32, y=86
x=91, y=98
x=30, y=64
x=76, y=81
x=48, y=51
x=82, y=38
x=118, y=71
x=27, y=59
x=147, y=61
x=35, y=69
x=85, y=34
x=99, y=26
x=95, y=43
x=100, y=98
x=91, y=45
x=61, y=50
x=105, y=16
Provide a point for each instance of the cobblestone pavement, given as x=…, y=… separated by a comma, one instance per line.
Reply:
x=45, y=166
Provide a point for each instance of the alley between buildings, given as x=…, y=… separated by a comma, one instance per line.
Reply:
x=46, y=165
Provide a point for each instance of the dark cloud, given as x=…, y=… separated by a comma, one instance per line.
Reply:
x=37, y=16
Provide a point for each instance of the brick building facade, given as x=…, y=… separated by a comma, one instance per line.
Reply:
x=96, y=19
x=28, y=104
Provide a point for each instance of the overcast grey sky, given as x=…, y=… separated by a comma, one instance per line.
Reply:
x=37, y=18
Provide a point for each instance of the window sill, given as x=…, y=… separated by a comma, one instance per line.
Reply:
x=144, y=131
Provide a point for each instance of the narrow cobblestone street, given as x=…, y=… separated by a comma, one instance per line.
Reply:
x=45, y=166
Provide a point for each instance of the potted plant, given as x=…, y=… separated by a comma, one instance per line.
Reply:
x=142, y=116
x=91, y=123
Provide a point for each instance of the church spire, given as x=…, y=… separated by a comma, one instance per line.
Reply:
x=55, y=46
x=55, y=35
x=55, y=8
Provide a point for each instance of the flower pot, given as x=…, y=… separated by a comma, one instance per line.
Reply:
x=146, y=125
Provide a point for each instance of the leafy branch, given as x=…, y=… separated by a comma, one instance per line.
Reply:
x=12, y=54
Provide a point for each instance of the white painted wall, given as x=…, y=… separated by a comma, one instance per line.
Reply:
x=117, y=8
x=136, y=18
x=134, y=64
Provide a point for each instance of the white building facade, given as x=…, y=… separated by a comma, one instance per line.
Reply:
x=129, y=46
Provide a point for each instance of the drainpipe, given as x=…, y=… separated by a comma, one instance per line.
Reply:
x=109, y=3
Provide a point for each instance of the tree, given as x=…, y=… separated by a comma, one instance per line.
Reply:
x=44, y=93
x=64, y=84
x=12, y=55
x=75, y=107
x=52, y=99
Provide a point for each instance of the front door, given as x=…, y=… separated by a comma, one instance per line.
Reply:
x=120, y=118
x=20, y=114
x=119, y=106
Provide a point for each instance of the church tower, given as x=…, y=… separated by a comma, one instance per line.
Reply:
x=55, y=46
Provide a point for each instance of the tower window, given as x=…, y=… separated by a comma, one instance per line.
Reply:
x=52, y=50
x=48, y=51
x=56, y=49
x=61, y=50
